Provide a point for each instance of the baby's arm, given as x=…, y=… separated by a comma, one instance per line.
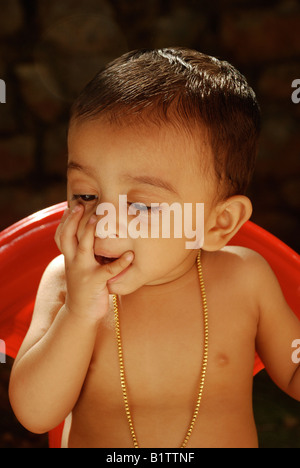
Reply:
x=53, y=360
x=278, y=327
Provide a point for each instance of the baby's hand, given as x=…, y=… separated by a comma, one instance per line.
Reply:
x=86, y=280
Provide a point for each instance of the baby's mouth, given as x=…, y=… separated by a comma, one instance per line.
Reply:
x=105, y=260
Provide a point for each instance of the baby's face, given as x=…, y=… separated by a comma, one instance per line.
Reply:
x=147, y=165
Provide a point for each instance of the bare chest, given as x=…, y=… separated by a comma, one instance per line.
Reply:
x=162, y=346
x=163, y=355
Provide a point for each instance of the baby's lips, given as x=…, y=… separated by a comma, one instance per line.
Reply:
x=104, y=259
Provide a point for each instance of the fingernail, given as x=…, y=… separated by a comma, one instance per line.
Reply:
x=92, y=220
x=129, y=256
x=76, y=209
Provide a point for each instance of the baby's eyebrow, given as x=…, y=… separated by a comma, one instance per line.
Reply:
x=72, y=165
x=151, y=180
x=141, y=179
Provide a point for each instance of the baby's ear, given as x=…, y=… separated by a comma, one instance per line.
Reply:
x=225, y=221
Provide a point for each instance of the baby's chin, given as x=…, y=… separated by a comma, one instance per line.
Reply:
x=122, y=289
x=131, y=282
x=125, y=283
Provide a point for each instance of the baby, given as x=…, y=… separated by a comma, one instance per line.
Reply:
x=137, y=340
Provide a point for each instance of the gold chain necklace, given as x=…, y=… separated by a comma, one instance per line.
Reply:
x=204, y=362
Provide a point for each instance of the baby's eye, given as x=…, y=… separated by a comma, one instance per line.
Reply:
x=140, y=206
x=85, y=198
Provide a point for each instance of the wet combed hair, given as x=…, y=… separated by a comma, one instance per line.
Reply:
x=186, y=88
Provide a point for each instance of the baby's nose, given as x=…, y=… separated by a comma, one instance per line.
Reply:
x=105, y=229
x=111, y=224
x=102, y=233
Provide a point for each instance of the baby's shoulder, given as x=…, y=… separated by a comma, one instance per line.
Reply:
x=241, y=264
x=56, y=268
x=237, y=256
x=53, y=280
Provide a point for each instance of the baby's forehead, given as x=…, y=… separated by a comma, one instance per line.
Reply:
x=187, y=148
x=176, y=151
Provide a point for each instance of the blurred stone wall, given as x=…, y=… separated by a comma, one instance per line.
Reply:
x=49, y=49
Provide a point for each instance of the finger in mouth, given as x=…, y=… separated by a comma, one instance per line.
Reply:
x=104, y=260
